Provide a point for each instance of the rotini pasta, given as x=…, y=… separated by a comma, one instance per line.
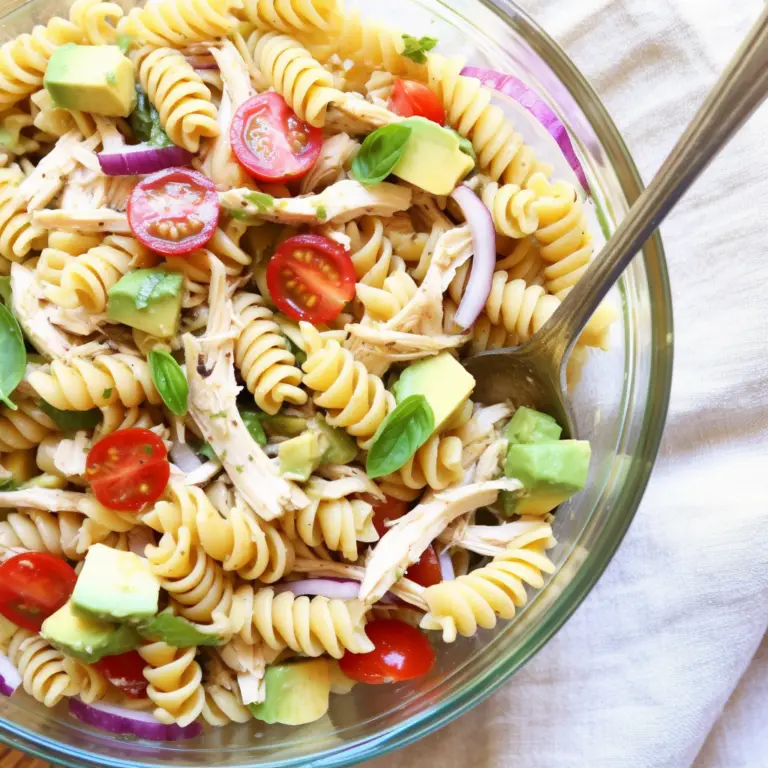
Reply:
x=514, y=210
x=40, y=531
x=293, y=16
x=223, y=706
x=24, y=427
x=97, y=20
x=18, y=235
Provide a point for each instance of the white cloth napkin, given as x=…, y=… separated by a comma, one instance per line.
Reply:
x=641, y=673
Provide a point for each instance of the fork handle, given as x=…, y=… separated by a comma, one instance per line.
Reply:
x=739, y=91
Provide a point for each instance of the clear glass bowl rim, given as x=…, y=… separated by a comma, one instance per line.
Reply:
x=626, y=502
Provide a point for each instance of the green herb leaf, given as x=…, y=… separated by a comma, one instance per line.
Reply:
x=150, y=283
x=206, y=450
x=322, y=214
x=415, y=48
x=124, y=43
x=298, y=353
x=8, y=484
x=111, y=78
x=13, y=354
x=400, y=435
x=71, y=421
x=252, y=422
x=465, y=145
x=170, y=380
x=175, y=631
x=107, y=393
x=5, y=291
x=380, y=153
x=239, y=215
x=145, y=122
x=261, y=200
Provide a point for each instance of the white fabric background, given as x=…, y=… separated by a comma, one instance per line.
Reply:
x=641, y=675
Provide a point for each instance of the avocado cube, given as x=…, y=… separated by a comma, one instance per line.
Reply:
x=91, y=78
x=116, y=585
x=338, y=447
x=85, y=638
x=300, y=456
x=147, y=299
x=287, y=426
x=433, y=158
x=443, y=381
x=550, y=473
x=529, y=426
x=175, y=631
x=296, y=693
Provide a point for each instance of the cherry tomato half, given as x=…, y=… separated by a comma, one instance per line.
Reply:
x=385, y=511
x=311, y=277
x=401, y=653
x=412, y=99
x=128, y=469
x=426, y=570
x=34, y=585
x=126, y=671
x=175, y=211
x=270, y=141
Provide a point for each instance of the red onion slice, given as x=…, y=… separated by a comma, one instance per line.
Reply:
x=120, y=720
x=202, y=61
x=140, y=159
x=527, y=98
x=184, y=457
x=484, y=259
x=10, y=679
x=446, y=566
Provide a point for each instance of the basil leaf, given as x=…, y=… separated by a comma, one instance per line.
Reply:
x=8, y=484
x=71, y=421
x=415, y=48
x=400, y=435
x=252, y=423
x=380, y=153
x=5, y=291
x=13, y=355
x=145, y=122
x=207, y=451
x=261, y=200
x=170, y=380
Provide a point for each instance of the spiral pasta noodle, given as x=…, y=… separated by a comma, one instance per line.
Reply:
x=175, y=682
x=42, y=668
x=41, y=531
x=262, y=355
x=56, y=121
x=97, y=20
x=501, y=152
x=25, y=427
x=222, y=706
x=436, y=464
x=91, y=685
x=514, y=210
x=80, y=384
x=181, y=98
x=356, y=400
x=382, y=304
x=116, y=416
x=177, y=23
x=85, y=281
x=296, y=76
x=497, y=590
x=24, y=59
x=18, y=235
x=293, y=16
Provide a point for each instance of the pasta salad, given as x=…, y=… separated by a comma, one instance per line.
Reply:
x=244, y=247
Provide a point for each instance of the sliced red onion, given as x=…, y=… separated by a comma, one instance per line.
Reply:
x=484, y=259
x=202, y=61
x=446, y=566
x=121, y=720
x=521, y=94
x=138, y=538
x=10, y=679
x=140, y=159
x=334, y=589
x=184, y=457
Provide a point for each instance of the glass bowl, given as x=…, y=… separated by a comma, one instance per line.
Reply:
x=620, y=403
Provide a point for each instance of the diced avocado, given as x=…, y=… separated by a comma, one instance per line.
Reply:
x=85, y=638
x=175, y=631
x=91, y=78
x=147, y=299
x=337, y=446
x=279, y=424
x=20, y=464
x=529, y=426
x=300, y=456
x=443, y=381
x=550, y=472
x=116, y=585
x=296, y=693
x=433, y=159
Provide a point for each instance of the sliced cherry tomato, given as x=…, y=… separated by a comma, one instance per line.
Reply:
x=128, y=469
x=34, y=585
x=426, y=570
x=311, y=277
x=175, y=211
x=126, y=671
x=385, y=511
x=270, y=141
x=412, y=99
x=401, y=653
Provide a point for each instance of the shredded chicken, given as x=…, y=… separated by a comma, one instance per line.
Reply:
x=339, y=203
x=491, y=540
x=35, y=316
x=85, y=221
x=71, y=454
x=200, y=476
x=250, y=663
x=212, y=393
x=403, y=544
x=358, y=116
x=329, y=168
x=52, y=500
x=341, y=471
